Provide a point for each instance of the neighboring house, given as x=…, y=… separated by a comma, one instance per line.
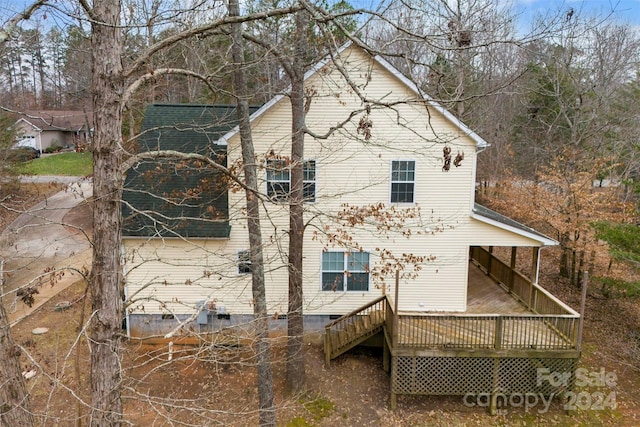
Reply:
x=51, y=128
x=390, y=187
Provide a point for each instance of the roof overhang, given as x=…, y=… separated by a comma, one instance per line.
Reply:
x=23, y=120
x=495, y=219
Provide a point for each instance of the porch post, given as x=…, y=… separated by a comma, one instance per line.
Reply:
x=495, y=390
x=513, y=267
x=583, y=303
x=535, y=267
x=393, y=397
x=489, y=261
x=386, y=364
x=394, y=338
x=327, y=347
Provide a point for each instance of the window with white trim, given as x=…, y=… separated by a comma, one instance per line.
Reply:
x=309, y=181
x=279, y=180
x=345, y=271
x=244, y=262
x=403, y=181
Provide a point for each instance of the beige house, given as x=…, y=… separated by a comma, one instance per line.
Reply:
x=49, y=128
x=395, y=246
x=428, y=208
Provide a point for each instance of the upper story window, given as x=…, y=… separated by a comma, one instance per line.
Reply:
x=403, y=181
x=345, y=271
x=279, y=180
x=309, y=181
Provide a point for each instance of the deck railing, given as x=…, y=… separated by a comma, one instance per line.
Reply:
x=497, y=332
x=536, y=298
x=349, y=330
x=552, y=326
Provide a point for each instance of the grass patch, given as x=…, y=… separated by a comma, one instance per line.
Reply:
x=69, y=164
x=317, y=407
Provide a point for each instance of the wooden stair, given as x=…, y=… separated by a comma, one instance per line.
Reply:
x=348, y=331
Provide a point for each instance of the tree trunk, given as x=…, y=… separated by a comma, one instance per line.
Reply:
x=296, y=381
x=15, y=409
x=106, y=275
x=564, y=256
x=580, y=270
x=267, y=412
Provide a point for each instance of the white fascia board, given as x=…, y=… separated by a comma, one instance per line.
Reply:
x=29, y=123
x=545, y=241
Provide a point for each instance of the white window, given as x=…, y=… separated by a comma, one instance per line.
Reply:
x=279, y=180
x=403, y=181
x=244, y=262
x=309, y=181
x=345, y=271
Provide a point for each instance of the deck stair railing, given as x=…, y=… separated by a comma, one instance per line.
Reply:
x=352, y=329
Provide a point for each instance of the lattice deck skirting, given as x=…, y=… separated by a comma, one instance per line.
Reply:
x=462, y=375
x=489, y=376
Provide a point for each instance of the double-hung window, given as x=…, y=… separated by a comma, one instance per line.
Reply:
x=309, y=181
x=345, y=271
x=279, y=180
x=244, y=262
x=403, y=181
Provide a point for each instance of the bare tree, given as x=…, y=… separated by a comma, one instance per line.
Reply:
x=15, y=408
x=265, y=378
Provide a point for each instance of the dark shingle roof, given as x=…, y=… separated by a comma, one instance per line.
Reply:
x=174, y=197
x=63, y=120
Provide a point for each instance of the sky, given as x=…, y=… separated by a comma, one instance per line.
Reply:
x=625, y=11
x=620, y=10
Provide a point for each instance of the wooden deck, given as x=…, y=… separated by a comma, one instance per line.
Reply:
x=485, y=296
x=508, y=332
x=525, y=320
x=495, y=320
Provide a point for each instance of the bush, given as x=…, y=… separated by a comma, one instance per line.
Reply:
x=20, y=154
x=53, y=149
x=615, y=288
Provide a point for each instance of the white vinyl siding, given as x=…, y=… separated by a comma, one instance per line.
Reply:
x=348, y=172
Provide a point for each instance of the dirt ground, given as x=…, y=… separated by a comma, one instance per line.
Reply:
x=204, y=385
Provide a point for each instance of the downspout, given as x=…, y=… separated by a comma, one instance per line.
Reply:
x=538, y=265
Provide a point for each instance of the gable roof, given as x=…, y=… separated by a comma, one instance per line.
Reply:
x=171, y=197
x=496, y=219
x=59, y=120
x=480, y=142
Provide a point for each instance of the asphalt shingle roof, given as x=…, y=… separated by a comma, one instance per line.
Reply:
x=176, y=197
x=63, y=120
